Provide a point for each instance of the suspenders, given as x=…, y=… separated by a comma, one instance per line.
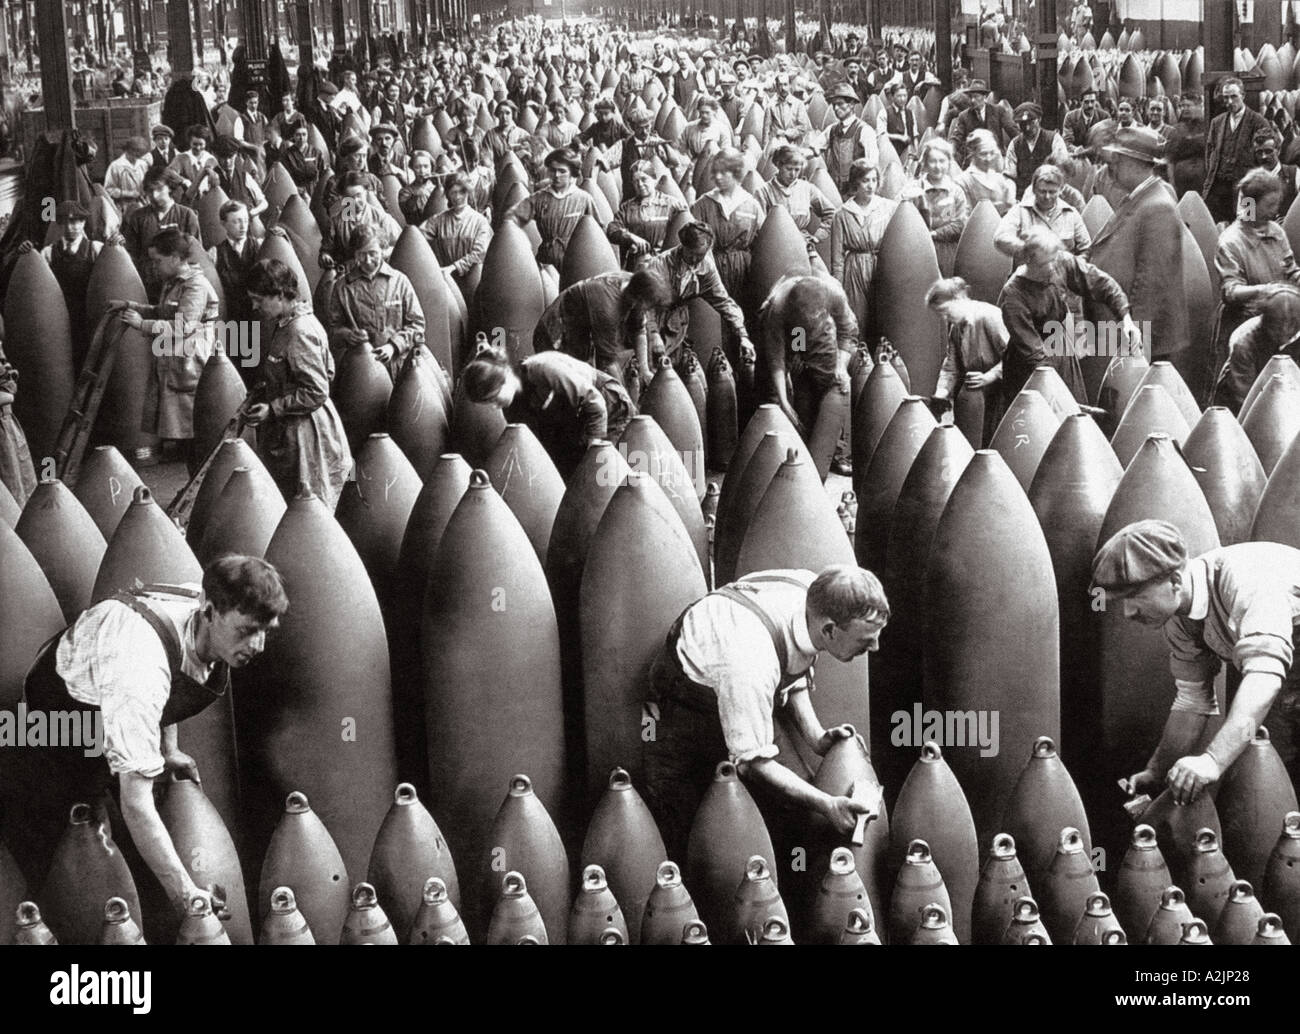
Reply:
x=778, y=640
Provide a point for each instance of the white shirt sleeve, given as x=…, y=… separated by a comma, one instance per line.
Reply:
x=726, y=647
x=113, y=658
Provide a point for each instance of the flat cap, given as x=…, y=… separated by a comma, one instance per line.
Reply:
x=1028, y=110
x=70, y=211
x=1138, y=553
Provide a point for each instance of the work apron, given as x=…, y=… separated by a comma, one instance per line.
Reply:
x=688, y=743
x=59, y=777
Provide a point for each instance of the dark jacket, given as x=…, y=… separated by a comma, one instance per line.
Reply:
x=1230, y=156
x=996, y=121
x=1185, y=153
x=1140, y=247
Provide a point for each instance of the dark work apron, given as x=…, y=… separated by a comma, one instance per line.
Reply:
x=58, y=777
x=72, y=271
x=688, y=743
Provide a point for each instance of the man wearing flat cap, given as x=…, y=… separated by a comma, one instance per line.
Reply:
x=786, y=119
x=1034, y=146
x=1239, y=604
x=980, y=115
x=163, y=149
x=384, y=159
x=1138, y=246
x=72, y=258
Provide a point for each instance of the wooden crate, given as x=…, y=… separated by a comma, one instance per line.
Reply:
x=107, y=122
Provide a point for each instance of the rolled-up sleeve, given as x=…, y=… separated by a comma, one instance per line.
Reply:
x=1264, y=630
x=114, y=660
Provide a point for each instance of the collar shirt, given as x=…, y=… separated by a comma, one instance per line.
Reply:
x=725, y=646
x=1245, y=609
x=112, y=658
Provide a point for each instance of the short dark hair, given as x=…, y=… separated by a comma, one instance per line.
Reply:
x=161, y=174
x=198, y=131
x=247, y=584
x=353, y=178
x=484, y=375
x=696, y=233
x=271, y=277
x=859, y=170
x=228, y=207
x=566, y=156
x=648, y=288
x=844, y=593
x=173, y=241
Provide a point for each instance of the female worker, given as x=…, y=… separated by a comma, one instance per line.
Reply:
x=856, y=233
x=809, y=207
x=458, y=236
x=940, y=200
x=641, y=225
x=567, y=403
x=373, y=303
x=300, y=435
x=1036, y=295
x=556, y=208
x=181, y=327
x=984, y=179
x=972, y=367
x=1253, y=258
x=735, y=218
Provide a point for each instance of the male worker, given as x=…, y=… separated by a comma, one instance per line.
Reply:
x=980, y=115
x=1229, y=150
x=1239, y=604
x=142, y=662
x=729, y=662
x=1135, y=248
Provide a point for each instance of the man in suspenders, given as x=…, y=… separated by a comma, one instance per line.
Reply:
x=730, y=660
x=141, y=662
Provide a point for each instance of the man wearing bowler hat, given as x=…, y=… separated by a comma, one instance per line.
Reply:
x=1239, y=604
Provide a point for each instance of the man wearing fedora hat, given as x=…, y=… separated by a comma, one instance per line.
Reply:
x=1138, y=247
x=980, y=115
